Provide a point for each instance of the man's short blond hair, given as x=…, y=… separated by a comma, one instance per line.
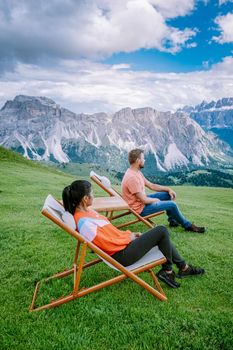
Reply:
x=134, y=155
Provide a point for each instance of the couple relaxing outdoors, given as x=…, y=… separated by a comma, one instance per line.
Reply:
x=127, y=247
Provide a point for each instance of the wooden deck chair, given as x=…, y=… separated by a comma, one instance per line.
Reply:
x=105, y=184
x=53, y=210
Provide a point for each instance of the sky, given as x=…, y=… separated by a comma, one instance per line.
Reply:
x=103, y=55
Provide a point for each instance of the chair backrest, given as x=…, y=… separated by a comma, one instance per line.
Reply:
x=104, y=183
x=57, y=210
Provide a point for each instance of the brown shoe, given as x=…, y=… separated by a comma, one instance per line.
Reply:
x=195, y=228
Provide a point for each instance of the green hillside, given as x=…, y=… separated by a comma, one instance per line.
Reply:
x=198, y=315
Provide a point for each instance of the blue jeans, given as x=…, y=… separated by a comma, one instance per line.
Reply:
x=171, y=208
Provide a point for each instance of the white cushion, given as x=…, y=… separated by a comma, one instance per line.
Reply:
x=69, y=219
x=151, y=256
x=105, y=181
x=54, y=207
x=57, y=210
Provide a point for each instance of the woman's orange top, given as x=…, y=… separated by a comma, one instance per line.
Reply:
x=98, y=229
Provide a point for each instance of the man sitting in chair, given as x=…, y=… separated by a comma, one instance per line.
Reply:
x=133, y=192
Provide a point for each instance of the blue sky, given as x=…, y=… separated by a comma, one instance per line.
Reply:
x=206, y=53
x=104, y=55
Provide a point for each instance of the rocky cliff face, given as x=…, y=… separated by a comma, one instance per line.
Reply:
x=42, y=130
x=216, y=116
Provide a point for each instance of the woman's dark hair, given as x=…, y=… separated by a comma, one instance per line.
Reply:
x=73, y=194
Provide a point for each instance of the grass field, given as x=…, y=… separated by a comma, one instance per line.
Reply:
x=198, y=315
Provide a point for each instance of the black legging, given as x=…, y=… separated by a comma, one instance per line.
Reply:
x=159, y=236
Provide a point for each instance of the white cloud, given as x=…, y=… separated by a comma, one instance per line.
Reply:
x=191, y=45
x=222, y=2
x=69, y=29
x=225, y=24
x=121, y=66
x=89, y=87
x=173, y=8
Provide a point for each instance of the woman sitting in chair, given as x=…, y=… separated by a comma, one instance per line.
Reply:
x=126, y=247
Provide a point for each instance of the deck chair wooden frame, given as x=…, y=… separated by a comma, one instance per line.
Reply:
x=114, y=193
x=54, y=213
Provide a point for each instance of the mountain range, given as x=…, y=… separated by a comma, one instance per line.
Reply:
x=40, y=129
x=215, y=116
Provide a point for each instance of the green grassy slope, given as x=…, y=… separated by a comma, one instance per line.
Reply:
x=197, y=316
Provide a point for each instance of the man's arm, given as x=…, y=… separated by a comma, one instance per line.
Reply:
x=159, y=188
x=144, y=199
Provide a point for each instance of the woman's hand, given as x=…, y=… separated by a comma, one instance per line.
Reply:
x=135, y=235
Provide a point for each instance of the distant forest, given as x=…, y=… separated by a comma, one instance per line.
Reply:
x=206, y=177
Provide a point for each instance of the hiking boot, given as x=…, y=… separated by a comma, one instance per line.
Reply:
x=173, y=223
x=195, y=228
x=168, y=278
x=190, y=271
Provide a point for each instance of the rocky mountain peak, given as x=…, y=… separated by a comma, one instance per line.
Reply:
x=23, y=100
x=223, y=103
x=41, y=99
x=215, y=116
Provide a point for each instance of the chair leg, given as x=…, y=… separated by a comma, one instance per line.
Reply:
x=76, y=273
x=134, y=222
x=156, y=282
x=77, y=252
x=121, y=215
x=80, y=269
